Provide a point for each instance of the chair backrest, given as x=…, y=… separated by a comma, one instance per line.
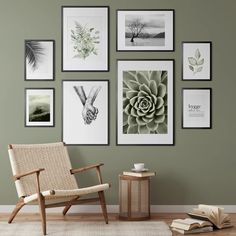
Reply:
x=52, y=157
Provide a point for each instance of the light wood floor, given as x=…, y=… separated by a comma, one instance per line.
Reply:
x=167, y=217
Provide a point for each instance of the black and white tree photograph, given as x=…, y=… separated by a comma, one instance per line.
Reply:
x=85, y=38
x=146, y=30
x=39, y=60
x=85, y=112
x=39, y=107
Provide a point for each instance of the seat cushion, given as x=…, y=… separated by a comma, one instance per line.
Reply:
x=68, y=193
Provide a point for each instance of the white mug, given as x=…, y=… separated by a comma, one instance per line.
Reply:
x=139, y=166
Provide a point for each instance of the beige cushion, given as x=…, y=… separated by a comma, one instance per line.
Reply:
x=67, y=193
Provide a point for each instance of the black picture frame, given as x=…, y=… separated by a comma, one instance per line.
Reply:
x=107, y=69
x=107, y=143
x=41, y=124
x=44, y=76
x=210, y=61
x=172, y=101
x=210, y=108
x=146, y=50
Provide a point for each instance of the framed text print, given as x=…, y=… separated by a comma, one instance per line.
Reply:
x=85, y=112
x=145, y=107
x=39, y=59
x=85, y=38
x=196, y=61
x=145, y=30
x=39, y=107
x=196, y=108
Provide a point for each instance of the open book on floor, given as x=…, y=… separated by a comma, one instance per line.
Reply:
x=214, y=214
x=194, y=231
x=189, y=224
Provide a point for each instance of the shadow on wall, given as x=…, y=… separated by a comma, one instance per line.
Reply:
x=77, y=161
x=168, y=188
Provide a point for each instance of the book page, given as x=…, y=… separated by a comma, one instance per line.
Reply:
x=206, y=214
x=197, y=230
x=191, y=221
x=224, y=218
x=214, y=213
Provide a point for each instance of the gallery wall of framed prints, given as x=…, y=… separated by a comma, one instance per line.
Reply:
x=197, y=101
x=145, y=113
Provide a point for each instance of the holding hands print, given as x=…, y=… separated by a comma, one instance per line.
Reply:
x=89, y=112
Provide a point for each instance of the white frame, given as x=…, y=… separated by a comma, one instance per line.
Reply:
x=196, y=108
x=145, y=139
x=40, y=91
x=168, y=16
x=74, y=129
x=94, y=17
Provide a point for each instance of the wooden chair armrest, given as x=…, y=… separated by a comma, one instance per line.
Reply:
x=36, y=171
x=97, y=166
x=77, y=170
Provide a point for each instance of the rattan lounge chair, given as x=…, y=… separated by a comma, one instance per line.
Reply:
x=43, y=175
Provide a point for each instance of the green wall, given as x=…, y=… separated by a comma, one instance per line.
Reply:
x=200, y=168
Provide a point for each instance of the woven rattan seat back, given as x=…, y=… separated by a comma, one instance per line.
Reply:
x=52, y=157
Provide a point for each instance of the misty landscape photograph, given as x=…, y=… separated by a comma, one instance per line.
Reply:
x=39, y=108
x=145, y=30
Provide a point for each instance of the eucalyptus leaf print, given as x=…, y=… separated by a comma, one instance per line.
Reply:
x=85, y=40
x=145, y=102
x=196, y=63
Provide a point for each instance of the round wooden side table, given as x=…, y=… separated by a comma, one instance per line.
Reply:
x=134, y=197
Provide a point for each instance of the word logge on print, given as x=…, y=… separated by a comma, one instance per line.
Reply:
x=195, y=110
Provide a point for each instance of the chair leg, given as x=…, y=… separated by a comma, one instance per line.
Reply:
x=17, y=208
x=103, y=205
x=70, y=203
x=41, y=201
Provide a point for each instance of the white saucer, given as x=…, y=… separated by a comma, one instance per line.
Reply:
x=143, y=170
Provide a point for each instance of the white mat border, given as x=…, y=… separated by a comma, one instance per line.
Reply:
x=111, y=209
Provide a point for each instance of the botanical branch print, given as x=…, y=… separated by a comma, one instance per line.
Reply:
x=89, y=112
x=145, y=102
x=84, y=40
x=33, y=52
x=196, y=63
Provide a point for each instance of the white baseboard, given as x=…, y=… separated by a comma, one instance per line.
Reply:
x=111, y=209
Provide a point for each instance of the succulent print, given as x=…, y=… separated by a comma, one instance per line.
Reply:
x=84, y=41
x=145, y=102
x=196, y=63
